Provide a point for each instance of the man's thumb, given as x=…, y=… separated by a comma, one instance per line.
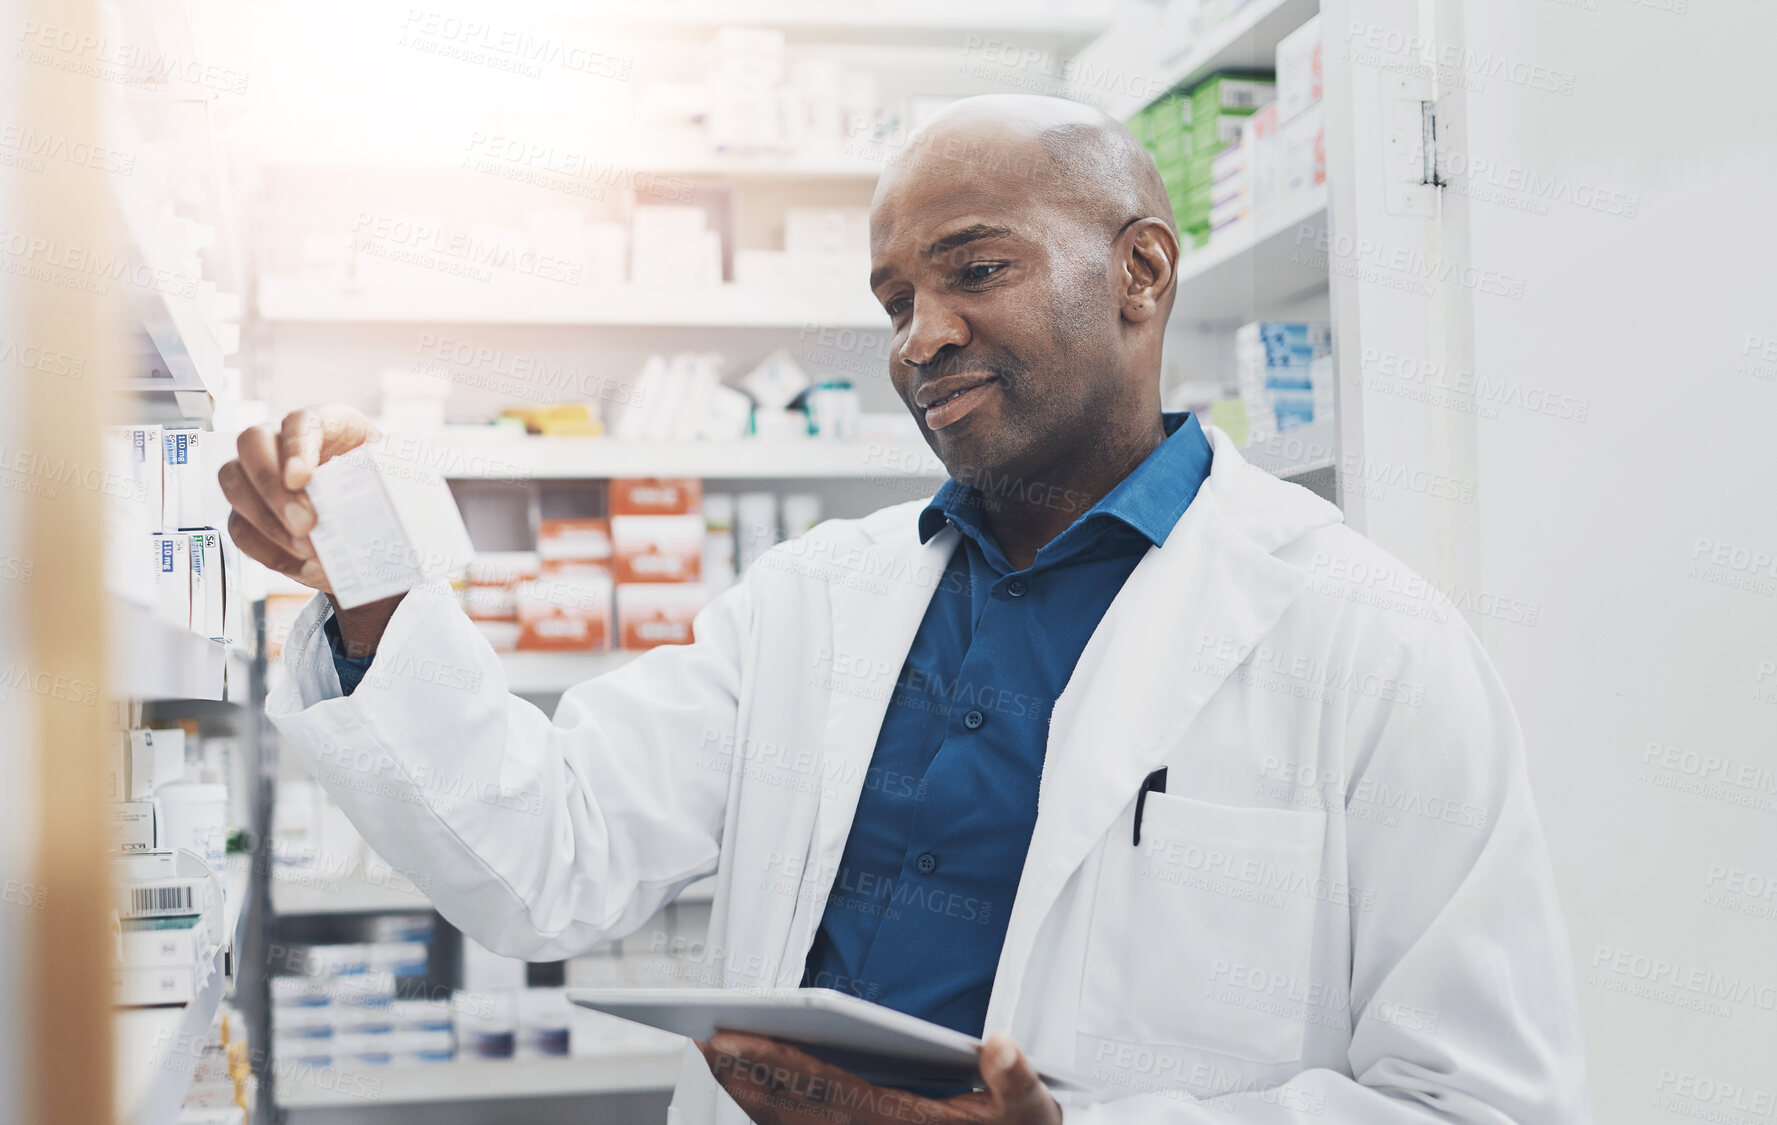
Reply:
x=1013, y=1082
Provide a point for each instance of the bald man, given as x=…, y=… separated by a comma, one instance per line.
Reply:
x=1100, y=750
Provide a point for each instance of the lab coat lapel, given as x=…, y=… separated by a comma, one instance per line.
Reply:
x=878, y=600
x=1133, y=696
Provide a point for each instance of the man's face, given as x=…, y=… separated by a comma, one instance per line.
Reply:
x=1004, y=330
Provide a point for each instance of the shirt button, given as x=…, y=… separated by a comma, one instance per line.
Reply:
x=927, y=863
x=1016, y=587
x=973, y=720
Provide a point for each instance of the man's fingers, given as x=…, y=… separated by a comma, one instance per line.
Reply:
x=1013, y=1082
x=245, y=500
x=310, y=438
x=254, y=544
x=258, y=450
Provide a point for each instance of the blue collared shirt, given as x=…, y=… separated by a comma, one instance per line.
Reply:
x=918, y=910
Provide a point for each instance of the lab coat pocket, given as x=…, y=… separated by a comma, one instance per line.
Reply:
x=1202, y=935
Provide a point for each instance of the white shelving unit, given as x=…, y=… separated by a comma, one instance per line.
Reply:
x=482, y=1080
x=548, y=673
x=296, y=894
x=1268, y=262
x=152, y=660
x=1058, y=27
x=292, y=896
x=284, y=299
x=480, y=453
x=156, y=1048
x=1248, y=41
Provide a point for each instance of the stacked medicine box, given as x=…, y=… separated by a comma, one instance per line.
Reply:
x=1185, y=132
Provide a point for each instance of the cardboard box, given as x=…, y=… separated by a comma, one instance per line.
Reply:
x=655, y=496
x=183, y=475
x=658, y=613
x=387, y=523
x=164, y=984
x=147, y=458
x=574, y=542
x=1299, y=70
x=132, y=826
x=209, y=605
x=1302, y=145
x=566, y=610
x=177, y=942
x=657, y=548
x=172, y=579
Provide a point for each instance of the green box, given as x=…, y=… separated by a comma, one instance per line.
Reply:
x=1232, y=92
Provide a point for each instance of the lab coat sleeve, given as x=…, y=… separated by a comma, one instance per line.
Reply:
x=1463, y=1005
x=538, y=838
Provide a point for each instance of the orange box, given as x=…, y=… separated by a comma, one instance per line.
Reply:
x=658, y=613
x=573, y=542
x=657, y=548
x=655, y=496
x=566, y=610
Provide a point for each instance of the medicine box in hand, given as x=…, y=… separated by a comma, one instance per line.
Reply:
x=385, y=524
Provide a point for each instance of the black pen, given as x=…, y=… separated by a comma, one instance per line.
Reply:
x=1153, y=783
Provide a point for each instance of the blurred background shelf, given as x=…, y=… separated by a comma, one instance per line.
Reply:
x=157, y=1049
x=629, y=1072
x=726, y=306
x=1062, y=28
x=547, y=673
x=151, y=660
x=1247, y=41
x=298, y=892
x=1248, y=272
x=480, y=453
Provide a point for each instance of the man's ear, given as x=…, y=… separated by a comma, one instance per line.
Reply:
x=1148, y=267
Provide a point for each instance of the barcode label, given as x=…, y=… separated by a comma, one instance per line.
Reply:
x=160, y=898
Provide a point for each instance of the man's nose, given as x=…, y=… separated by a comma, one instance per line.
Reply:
x=933, y=328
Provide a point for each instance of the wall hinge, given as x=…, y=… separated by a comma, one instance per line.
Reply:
x=1430, y=174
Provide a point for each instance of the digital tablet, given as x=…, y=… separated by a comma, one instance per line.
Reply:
x=878, y=1044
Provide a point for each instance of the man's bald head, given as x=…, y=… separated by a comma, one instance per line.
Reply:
x=1085, y=160
x=1025, y=252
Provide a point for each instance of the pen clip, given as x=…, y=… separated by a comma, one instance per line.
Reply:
x=1153, y=783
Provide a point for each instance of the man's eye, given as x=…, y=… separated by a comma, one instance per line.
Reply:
x=981, y=271
x=897, y=306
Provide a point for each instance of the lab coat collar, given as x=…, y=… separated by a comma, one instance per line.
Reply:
x=1137, y=687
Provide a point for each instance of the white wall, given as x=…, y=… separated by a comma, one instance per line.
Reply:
x=1624, y=432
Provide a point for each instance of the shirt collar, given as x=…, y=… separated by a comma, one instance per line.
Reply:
x=1150, y=499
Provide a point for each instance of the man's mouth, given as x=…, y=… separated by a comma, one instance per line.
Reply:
x=947, y=400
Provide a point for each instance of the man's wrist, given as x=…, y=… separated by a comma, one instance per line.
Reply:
x=361, y=628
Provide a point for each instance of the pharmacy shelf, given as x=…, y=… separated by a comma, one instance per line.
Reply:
x=188, y=353
x=1297, y=452
x=1248, y=41
x=152, y=660
x=549, y=673
x=1260, y=265
x=1060, y=27
x=157, y=1049
x=296, y=893
x=630, y=1072
x=481, y=453
x=300, y=300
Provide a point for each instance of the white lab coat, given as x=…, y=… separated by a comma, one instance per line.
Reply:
x=1341, y=909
